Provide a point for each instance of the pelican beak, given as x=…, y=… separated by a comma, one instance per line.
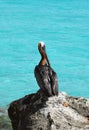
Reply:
x=43, y=47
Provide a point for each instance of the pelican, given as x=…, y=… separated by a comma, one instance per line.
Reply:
x=45, y=76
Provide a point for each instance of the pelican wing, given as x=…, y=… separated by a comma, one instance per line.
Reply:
x=43, y=79
x=53, y=81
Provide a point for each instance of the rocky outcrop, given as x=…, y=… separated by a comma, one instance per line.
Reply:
x=38, y=112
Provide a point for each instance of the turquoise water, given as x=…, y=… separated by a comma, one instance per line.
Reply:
x=63, y=25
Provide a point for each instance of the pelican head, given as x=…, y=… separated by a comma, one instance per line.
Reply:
x=41, y=45
x=42, y=50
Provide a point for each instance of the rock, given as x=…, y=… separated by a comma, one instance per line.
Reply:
x=5, y=123
x=38, y=112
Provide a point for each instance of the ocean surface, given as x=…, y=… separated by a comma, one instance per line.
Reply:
x=64, y=27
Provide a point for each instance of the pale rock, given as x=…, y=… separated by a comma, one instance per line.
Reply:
x=38, y=112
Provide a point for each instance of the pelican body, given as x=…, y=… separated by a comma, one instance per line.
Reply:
x=45, y=75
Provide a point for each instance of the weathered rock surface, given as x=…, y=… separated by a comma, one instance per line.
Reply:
x=4, y=120
x=37, y=112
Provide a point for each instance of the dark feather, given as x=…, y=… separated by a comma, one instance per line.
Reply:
x=46, y=79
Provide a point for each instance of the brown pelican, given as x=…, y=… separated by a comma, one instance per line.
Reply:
x=45, y=75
